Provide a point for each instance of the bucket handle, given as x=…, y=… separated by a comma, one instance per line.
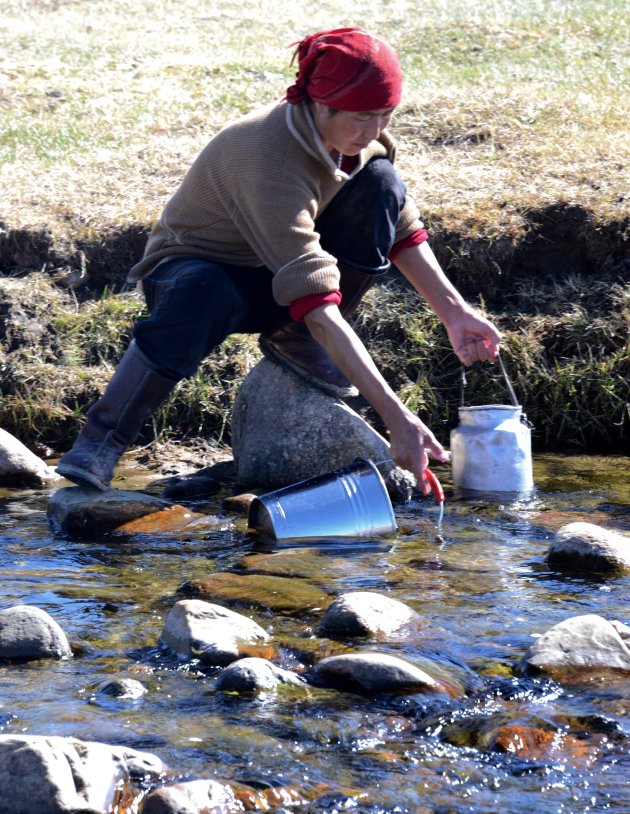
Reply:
x=508, y=383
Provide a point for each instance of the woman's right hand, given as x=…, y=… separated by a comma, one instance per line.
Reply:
x=411, y=444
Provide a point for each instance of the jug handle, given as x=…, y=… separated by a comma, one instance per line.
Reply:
x=463, y=383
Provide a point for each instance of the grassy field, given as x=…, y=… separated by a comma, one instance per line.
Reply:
x=509, y=105
x=514, y=142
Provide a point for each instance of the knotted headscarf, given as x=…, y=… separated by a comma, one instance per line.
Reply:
x=347, y=69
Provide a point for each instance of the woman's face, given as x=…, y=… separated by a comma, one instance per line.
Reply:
x=347, y=132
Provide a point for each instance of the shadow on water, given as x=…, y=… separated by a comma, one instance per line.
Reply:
x=512, y=742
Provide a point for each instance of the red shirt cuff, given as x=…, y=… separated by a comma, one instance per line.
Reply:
x=414, y=239
x=300, y=308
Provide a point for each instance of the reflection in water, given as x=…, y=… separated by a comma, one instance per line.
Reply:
x=511, y=744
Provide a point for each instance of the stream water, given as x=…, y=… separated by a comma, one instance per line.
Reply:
x=483, y=585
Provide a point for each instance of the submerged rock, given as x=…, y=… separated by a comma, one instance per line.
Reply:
x=588, y=641
x=83, y=512
x=364, y=613
x=276, y=593
x=585, y=545
x=277, y=442
x=173, y=519
x=251, y=675
x=20, y=466
x=214, y=635
x=28, y=633
x=54, y=775
x=534, y=743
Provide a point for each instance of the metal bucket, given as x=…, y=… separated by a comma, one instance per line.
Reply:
x=349, y=502
x=491, y=449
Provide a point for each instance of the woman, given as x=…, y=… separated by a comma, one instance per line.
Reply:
x=280, y=225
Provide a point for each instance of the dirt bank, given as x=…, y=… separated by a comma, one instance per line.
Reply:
x=560, y=292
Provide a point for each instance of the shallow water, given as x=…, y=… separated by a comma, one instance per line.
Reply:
x=483, y=586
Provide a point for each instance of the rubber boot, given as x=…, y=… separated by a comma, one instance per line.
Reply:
x=115, y=420
x=292, y=346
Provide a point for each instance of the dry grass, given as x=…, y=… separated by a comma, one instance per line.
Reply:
x=509, y=104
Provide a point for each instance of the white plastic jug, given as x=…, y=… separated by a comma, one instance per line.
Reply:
x=491, y=449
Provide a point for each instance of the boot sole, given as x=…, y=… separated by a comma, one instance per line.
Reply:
x=81, y=477
x=274, y=355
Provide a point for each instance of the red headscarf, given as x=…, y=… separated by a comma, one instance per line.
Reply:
x=347, y=69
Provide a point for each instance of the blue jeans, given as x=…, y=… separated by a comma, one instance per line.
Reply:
x=195, y=304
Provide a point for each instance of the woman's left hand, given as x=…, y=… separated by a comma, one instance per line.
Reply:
x=473, y=337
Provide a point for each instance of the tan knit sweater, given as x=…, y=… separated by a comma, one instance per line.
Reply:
x=252, y=196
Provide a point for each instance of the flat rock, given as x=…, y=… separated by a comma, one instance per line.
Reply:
x=585, y=545
x=589, y=642
x=173, y=520
x=308, y=563
x=213, y=634
x=365, y=613
x=83, y=512
x=253, y=675
x=279, y=441
x=28, y=633
x=267, y=592
x=55, y=775
x=20, y=466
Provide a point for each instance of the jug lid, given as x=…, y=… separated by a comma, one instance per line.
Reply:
x=511, y=407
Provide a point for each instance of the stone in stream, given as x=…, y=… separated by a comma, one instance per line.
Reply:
x=84, y=512
x=214, y=635
x=192, y=797
x=587, y=642
x=20, y=466
x=585, y=545
x=200, y=796
x=28, y=633
x=365, y=613
x=276, y=442
x=121, y=688
x=55, y=775
x=534, y=743
x=252, y=675
x=381, y=672
x=267, y=592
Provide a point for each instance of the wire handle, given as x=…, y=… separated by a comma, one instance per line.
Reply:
x=463, y=384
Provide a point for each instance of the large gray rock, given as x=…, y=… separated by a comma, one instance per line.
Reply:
x=585, y=545
x=285, y=431
x=364, y=613
x=252, y=675
x=19, y=466
x=28, y=633
x=54, y=775
x=83, y=512
x=210, y=633
x=587, y=641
